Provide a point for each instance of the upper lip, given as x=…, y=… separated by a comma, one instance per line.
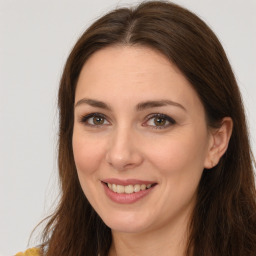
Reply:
x=127, y=181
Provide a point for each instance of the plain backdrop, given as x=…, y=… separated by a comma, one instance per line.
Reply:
x=36, y=37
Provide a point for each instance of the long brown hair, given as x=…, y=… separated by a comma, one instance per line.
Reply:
x=224, y=219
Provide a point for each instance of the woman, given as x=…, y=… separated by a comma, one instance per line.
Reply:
x=154, y=156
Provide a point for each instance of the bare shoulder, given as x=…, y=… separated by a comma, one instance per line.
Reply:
x=30, y=252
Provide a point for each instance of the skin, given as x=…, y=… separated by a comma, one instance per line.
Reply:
x=127, y=145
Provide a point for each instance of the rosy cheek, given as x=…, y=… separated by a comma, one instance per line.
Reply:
x=85, y=155
x=167, y=160
x=175, y=156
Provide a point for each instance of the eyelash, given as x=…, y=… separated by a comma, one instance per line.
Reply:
x=161, y=116
x=84, y=120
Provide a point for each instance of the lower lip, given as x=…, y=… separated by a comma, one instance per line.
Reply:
x=126, y=198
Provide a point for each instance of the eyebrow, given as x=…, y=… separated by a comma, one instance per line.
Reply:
x=93, y=103
x=139, y=107
x=157, y=103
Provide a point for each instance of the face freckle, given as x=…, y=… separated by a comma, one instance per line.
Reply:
x=127, y=88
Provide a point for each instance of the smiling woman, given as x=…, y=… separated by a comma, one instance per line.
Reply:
x=154, y=155
x=148, y=146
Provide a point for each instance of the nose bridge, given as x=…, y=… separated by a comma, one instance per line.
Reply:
x=123, y=152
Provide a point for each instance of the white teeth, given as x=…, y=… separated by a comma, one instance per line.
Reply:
x=136, y=188
x=114, y=188
x=120, y=189
x=128, y=189
x=143, y=187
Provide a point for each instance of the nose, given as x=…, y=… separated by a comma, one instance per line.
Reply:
x=123, y=150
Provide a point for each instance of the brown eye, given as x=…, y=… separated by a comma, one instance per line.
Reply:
x=94, y=119
x=158, y=121
x=97, y=120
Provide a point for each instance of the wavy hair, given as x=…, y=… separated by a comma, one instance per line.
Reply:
x=223, y=222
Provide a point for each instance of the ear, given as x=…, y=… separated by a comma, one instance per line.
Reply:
x=218, y=142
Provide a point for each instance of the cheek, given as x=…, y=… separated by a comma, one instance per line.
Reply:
x=180, y=155
x=88, y=153
x=180, y=163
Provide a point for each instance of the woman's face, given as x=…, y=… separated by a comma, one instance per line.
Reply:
x=138, y=123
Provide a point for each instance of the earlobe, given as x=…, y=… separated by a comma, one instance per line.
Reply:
x=218, y=142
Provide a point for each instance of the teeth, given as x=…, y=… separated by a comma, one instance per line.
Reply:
x=120, y=189
x=128, y=189
x=143, y=187
x=136, y=188
x=114, y=187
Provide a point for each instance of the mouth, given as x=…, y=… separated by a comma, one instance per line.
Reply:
x=128, y=189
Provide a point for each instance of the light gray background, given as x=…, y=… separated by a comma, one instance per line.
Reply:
x=35, y=39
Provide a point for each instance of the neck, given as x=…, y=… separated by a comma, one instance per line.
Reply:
x=171, y=241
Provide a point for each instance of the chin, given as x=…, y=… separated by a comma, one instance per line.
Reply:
x=127, y=228
x=126, y=223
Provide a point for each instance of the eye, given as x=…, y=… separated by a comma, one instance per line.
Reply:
x=159, y=121
x=94, y=119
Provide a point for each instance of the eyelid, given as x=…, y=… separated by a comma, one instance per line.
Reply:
x=160, y=115
x=84, y=119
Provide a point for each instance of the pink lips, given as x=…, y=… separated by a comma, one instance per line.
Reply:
x=126, y=198
x=128, y=182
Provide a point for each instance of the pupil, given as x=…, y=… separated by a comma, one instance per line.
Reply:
x=159, y=121
x=98, y=120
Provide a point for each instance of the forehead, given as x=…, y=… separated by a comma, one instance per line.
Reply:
x=133, y=73
x=132, y=61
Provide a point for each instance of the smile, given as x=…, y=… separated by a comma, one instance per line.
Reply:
x=129, y=189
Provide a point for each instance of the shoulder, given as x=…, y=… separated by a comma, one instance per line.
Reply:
x=29, y=252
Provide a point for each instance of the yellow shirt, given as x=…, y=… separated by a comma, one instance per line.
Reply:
x=29, y=252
